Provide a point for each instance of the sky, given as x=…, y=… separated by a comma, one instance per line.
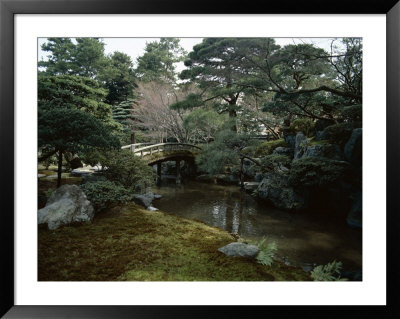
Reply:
x=134, y=47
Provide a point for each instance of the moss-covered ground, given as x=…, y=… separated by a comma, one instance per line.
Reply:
x=130, y=243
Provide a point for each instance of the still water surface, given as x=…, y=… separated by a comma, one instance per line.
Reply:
x=303, y=239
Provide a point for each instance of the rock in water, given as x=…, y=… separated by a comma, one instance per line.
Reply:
x=143, y=199
x=66, y=204
x=240, y=250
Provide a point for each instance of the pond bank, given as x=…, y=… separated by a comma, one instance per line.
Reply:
x=130, y=243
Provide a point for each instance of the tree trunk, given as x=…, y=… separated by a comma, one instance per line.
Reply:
x=59, y=170
x=232, y=115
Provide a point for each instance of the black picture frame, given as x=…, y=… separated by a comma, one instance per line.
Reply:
x=8, y=8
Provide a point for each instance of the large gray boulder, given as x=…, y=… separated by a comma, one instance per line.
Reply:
x=353, y=147
x=240, y=250
x=300, y=145
x=143, y=199
x=66, y=204
x=275, y=188
x=330, y=151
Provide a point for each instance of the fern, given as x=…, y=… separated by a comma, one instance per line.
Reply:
x=328, y=272
x=267, y=251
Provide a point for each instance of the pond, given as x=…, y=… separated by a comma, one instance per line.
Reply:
x=303, y=239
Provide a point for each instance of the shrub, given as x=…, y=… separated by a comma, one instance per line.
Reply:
x=267, y=252
x=329, y=272
x=304, y=125
x=316, y=171
x=222, y=153
x=272, y=161
x=267, y=148
x=340, y=133
x=128, y=170
x=105, y=193
x=352, y=113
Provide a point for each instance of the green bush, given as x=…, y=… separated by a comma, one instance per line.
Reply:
x=304, y=125
x=340, y=133
x=352, y=113
x=269, y=162
x=128, y=170
x=222, y=153
x=316, y=171
x=105, y=193
x=267, y=148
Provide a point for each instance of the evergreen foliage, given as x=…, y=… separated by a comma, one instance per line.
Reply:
x=267, y=252
x=268, y=147
x=317, y=171
x=103, y=194
x=158, y=61
x=328, y=272
x=270, y=162
x=122, y=167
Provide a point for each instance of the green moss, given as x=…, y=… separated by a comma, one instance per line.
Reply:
x=321, y=142
x=269, y=162
x=340, y=133
x=267, y=148
x=130, y=243
x=304, y=125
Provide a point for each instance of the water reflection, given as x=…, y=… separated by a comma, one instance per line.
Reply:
x=302, y=239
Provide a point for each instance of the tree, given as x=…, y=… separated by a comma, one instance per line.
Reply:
x=153, y=114
x=308, y=81
x=222, y=153
x=217, y=65
x=118, y=78
x=61, y=58
x=74, y=92
x=83, y=56
x=203, y=124
x=158, y=61
x=68, y=130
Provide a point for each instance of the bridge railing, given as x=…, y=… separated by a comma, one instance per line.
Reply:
x=132, y=147
x=161, y=147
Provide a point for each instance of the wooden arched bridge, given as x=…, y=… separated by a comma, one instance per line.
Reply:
x=157, y=153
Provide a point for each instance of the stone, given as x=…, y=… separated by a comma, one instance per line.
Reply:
x=157, y=196
x=300, y=145
x=227, y=179
x=80, y=172
x=275, y=188
x=290, y=140
x=353, y=147
x=320, y=135
x=354, y=217
x=287, y=151
x=67, y=204
x=205, y=178
x=330, y=151
x=240, y=250
x=250, y=186
x=143, y=199
x=151, y=208
x=258, y=178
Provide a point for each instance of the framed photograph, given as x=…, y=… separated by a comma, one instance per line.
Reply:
x=242, y=109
